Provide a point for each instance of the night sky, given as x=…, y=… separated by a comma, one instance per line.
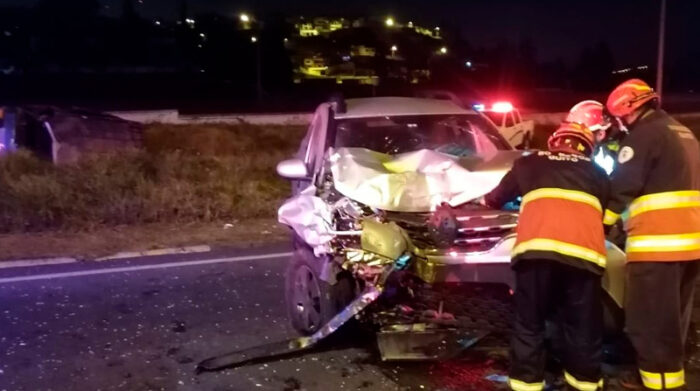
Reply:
x=559, y=29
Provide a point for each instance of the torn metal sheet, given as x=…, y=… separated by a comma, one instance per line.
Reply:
x=297, y=345
x=614, y=277
x=310, y=217
x=415, y=181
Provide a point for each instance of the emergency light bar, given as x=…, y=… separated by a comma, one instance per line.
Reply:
x=502, y=107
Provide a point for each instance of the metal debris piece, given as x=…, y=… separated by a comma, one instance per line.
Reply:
x=423, y=341
x=291, y=347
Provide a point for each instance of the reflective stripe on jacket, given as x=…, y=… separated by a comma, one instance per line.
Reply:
x=561, y=213
x=658, y=178
x=556, y=220
x=661, y=227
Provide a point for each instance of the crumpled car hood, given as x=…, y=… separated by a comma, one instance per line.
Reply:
x=416, y=181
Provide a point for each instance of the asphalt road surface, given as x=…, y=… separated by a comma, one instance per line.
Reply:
x=143, y=324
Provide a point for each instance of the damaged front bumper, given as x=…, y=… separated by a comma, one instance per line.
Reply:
x=491, y=266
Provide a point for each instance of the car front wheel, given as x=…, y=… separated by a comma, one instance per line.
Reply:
x=312, y=302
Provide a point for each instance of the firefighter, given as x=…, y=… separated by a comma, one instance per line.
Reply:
x=558, y=258
x=591, y=114
x=656, y=179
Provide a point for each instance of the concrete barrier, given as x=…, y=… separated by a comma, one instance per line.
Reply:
x=148, y=116
x=545, y=118
x=253, y=119
x=174, y=117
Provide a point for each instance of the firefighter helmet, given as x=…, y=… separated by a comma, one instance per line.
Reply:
x=629, y=96
x=590, y=114
x=572, y=137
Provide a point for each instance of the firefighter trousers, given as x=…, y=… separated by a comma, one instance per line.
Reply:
x=658, y=307
x=545, y=288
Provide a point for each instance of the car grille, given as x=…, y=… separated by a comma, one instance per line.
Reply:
x=477, y=228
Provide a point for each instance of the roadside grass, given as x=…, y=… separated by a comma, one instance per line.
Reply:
x=188, y=174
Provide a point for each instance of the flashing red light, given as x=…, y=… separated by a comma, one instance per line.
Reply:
x=502, y=107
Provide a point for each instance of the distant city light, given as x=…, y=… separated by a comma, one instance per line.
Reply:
x=245, y=18
x=157, y=22
x=286, y=40
x=190, y=21
x=468, y=64
x=389, y=22
x=443, y=50
x=202, y=35
x=394, y=48
x=622, y=70
x=410, y=25
x=253, y=39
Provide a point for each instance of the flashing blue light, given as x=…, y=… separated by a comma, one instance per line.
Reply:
x=403, y=261
x=479, y=106
x=605, y=161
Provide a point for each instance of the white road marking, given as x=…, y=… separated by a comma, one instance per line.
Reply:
x=151, y=253
x=36, y=262
x=79, y=273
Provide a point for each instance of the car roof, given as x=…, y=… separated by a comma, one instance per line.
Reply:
x=399, y=106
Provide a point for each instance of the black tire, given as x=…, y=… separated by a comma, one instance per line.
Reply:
x=310, y=301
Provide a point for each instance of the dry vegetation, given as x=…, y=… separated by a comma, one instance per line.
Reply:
x=188, y=174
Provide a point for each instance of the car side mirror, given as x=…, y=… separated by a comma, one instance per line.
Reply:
x=292, y=169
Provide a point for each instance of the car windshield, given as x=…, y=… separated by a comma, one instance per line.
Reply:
x=458, y=135
x=497, y=118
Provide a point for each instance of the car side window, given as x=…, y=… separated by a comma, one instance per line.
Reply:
x=518, y=118
x=309, y=157
x=509, y=121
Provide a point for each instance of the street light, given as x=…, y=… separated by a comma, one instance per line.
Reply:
x=258, y=68
x=443, y=50
x=660, y=59
x=389, y=22
x=394, y=48
x=245, y=18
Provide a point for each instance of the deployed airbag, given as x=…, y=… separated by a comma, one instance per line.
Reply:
x=412, y=182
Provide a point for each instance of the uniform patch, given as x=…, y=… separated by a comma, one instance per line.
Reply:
x=626, y=154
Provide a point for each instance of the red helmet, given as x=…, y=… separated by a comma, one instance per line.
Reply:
x=629, y=96
x=590, y=114
x=572, y=137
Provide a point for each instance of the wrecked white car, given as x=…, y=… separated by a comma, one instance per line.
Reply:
x=418, y=165
x=385, y=204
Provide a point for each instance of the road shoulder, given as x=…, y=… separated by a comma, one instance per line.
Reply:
x=143, y=240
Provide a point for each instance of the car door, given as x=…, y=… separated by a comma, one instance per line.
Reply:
x=312, y=148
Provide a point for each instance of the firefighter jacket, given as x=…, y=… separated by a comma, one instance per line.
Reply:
x=561, y=213
x=657, y=179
